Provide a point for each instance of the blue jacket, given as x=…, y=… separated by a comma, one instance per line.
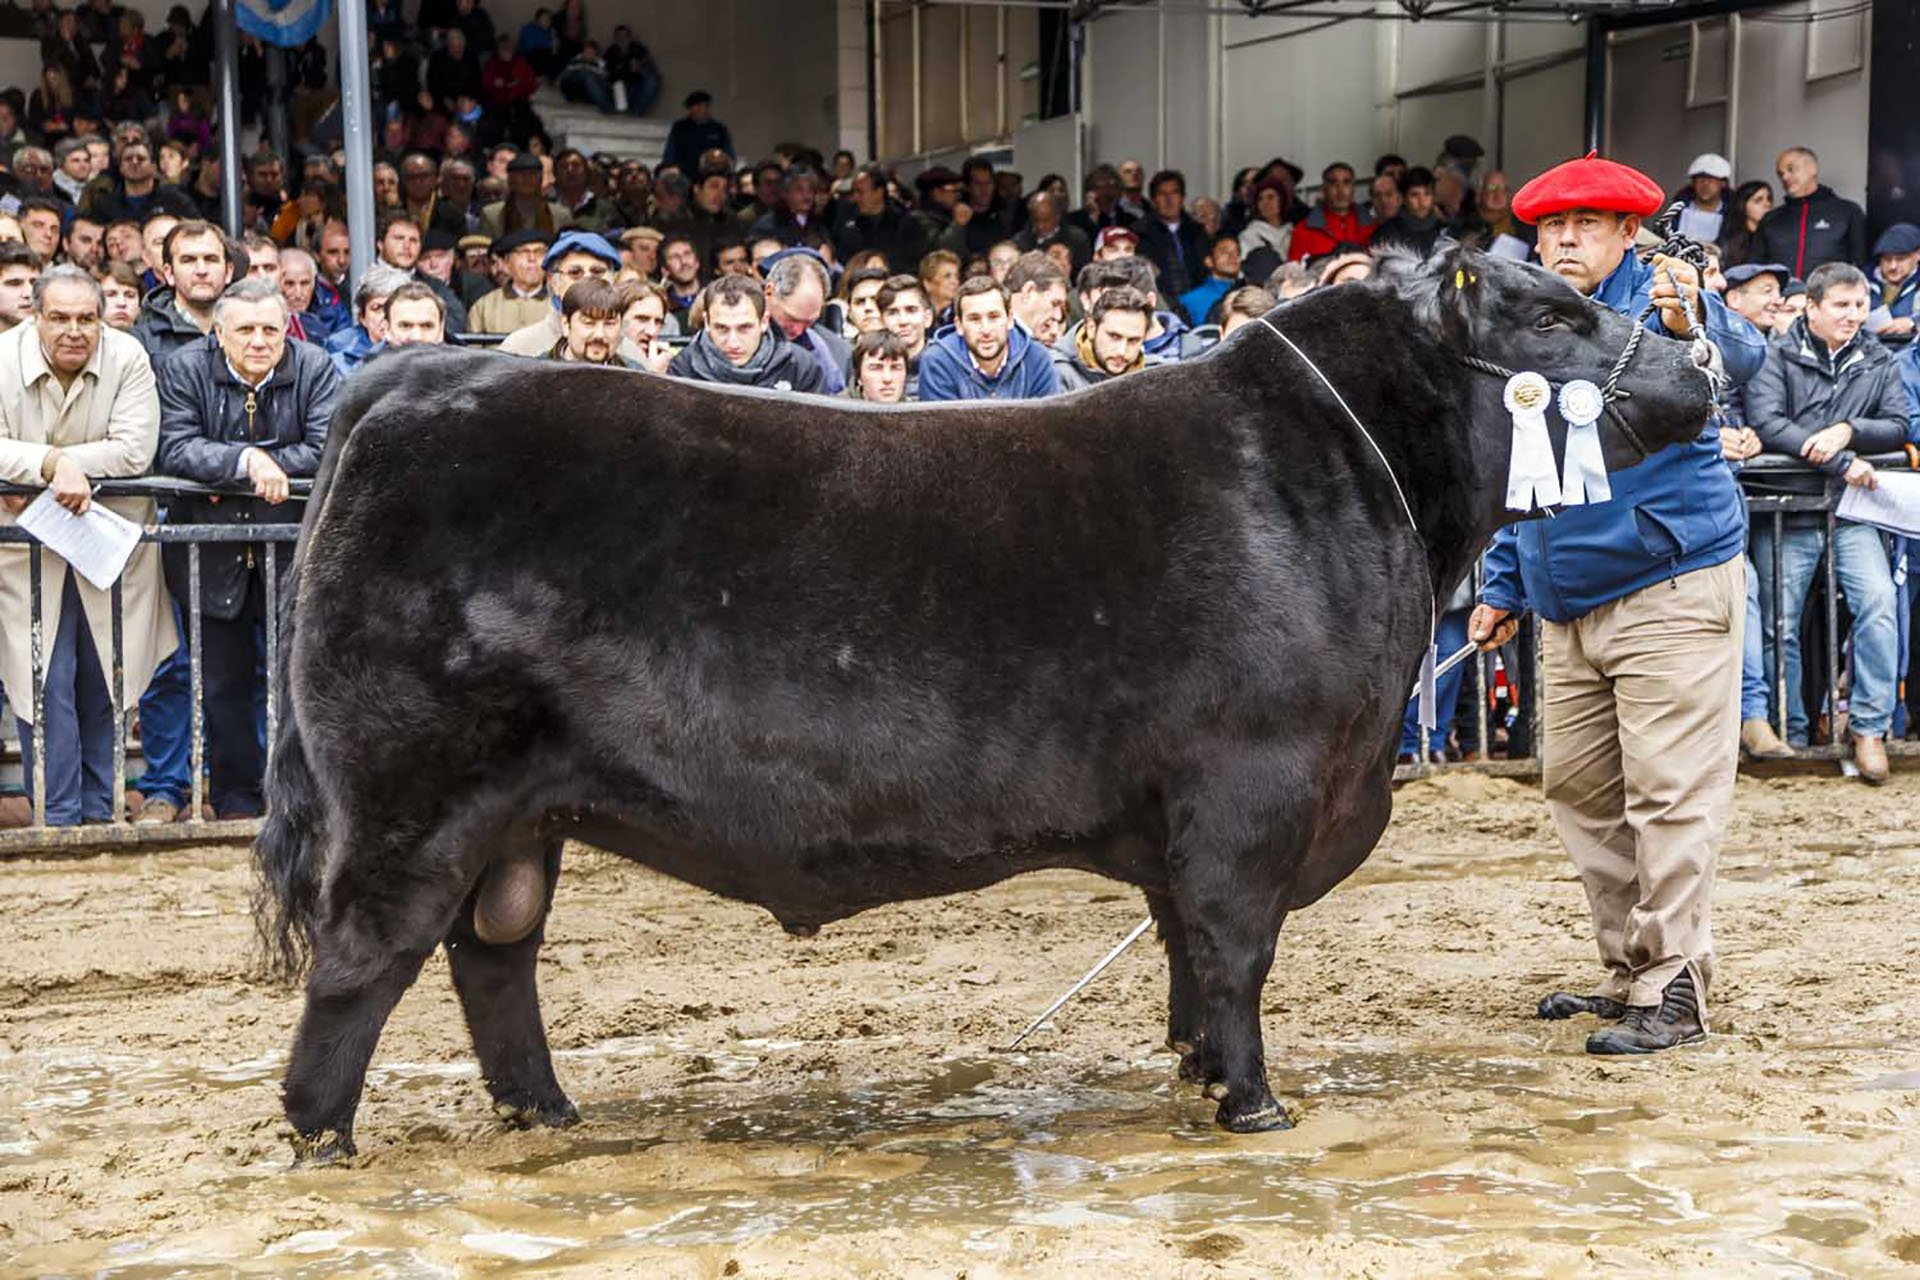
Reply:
x=1907, y=360
x=1678, y=511
x=947, y=371
x=350, y=348
x=1199, y=300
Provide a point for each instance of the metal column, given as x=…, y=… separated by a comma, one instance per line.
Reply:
x=1595, y=115
x=356, y=118
x=277, y=135
x=226, y=72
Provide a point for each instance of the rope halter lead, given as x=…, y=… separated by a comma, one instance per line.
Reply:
x=1429, y=714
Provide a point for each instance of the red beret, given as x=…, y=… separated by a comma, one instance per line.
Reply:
x=1589, y=183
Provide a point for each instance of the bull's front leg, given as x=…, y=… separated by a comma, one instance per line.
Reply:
x=1186, y=1028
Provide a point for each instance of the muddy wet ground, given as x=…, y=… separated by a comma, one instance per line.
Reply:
x=756, y=1105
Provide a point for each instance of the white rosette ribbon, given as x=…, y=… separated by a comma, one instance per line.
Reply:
x=1532, y=479
x=1585, y=477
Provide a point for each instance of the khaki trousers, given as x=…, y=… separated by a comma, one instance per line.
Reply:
x=1642, y=712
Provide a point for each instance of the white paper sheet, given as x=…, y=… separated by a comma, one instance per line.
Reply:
x=1506, y=246
x=97, y=544
x=1894, y=506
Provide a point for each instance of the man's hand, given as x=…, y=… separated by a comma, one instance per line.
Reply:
x=1899, y=325
x=962, y=213
x=1676, y=304
x=68, y=482
x=659, y=356
x=1490, y=628
x=1861, y=475
x=1737, y=444
x=269, y=481
x=1821, y=446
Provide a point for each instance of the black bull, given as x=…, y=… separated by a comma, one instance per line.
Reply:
x=821, y=656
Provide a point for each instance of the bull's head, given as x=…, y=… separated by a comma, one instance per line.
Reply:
x=1522, y=317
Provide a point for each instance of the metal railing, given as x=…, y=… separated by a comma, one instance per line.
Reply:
x=1763, y=504
x=38, y=837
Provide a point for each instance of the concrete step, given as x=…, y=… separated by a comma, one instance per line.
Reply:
x=582, y=125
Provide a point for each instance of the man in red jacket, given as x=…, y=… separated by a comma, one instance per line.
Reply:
x=1335, y=222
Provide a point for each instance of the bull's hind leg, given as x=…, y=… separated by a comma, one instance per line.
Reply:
x=500, y=996
x=1185, y=1020
x=1227, y=889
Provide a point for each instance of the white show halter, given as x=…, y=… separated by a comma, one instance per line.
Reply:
x=1428, y=697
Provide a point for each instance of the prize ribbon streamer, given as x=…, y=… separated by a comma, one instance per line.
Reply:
x=1585, y=477
x=1532, y=479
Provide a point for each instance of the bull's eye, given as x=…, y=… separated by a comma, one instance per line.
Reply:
x=1548, y=321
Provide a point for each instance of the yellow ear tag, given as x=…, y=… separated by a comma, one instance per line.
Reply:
x=1459, y=279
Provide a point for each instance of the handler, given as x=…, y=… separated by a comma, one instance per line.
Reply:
x=1644, y=600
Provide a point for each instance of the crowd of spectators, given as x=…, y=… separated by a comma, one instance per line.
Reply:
x=137, y=335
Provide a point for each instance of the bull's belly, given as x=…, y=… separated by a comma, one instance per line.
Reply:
x=808, y=886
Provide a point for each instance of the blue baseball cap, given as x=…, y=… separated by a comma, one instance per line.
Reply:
x=582, y=242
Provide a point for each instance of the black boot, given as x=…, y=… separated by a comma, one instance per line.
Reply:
x=1651, y=1028
x=1564, y=1004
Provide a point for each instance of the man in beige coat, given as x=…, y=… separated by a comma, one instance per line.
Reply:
x=77, y=403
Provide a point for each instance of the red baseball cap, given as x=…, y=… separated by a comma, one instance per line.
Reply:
x=1110, y=234
x=1588, y=183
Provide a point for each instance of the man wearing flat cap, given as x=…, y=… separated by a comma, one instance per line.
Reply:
x=695, y=134
x=1895, y=283
x=526, y=207
x=1643, y=602
x=523, y=299
x=575, y=256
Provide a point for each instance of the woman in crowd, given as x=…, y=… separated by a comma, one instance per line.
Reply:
x=1269, y=228
x=188, y=125
x=1751, y=202
x=51, y=109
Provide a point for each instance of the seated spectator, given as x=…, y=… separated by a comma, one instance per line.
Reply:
x=180, y=312
x=1170, y=238
x=120, y=295
x=737, y=347
x=1115, y=242
x=797, y=287
x=1793, y=305
x=1895, y=282
x=1346, y=268
x=84, y=242
x=680, y=262
x=1168, y=337
x=640, y=250
x=860, y=301
x=537, y=44
x=400, y=245
x=1112, y=340
x=416, y=316
x=507, y=84
x=985, y=354
x=1828, y=393
x=584, y=79
x=940, y=281
x=1491, y=217
x=1417, y=226
x=591, y=331
x=1047, y=224
x=790, y=223
x=524, y=299
x=1037, y=292
x=573, y=190
x=524, y=208
x=72, y=168
x=908, y=315
x=1244, y=306
x=1740, y=228
x=644, y=321
x=1269, y=228
x=871, y=221
x=453, y=72
x=122, y=242
x=879, y=368
x=297, y=276
x=353, y=346
x=1223, y=274
x=630, y=64
x=1335, y=223
x=40, y=222
x=77, y=403
x=575, y=256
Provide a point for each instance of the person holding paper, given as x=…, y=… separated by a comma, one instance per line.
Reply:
x=242, y=407
x=1829, y=393
x=77, y=403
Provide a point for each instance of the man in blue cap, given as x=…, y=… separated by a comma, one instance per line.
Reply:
x=1895, y=283
x=575, y=256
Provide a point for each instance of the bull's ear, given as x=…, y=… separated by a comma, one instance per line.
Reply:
x=1459, y=290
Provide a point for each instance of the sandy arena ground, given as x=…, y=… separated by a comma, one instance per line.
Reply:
x=760, y=1106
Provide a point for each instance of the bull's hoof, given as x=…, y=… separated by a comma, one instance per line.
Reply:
x=515, y=1115
x=1194, y=1067
x=321, y=1148
x=1264, y=1119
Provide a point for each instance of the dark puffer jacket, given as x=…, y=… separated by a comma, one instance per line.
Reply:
x=1802, y=388
x=205, y=427
x=160, y=327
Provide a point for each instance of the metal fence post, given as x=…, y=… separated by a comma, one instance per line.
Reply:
x=1833, y=632
x=119, y=696
x=194, y=687
x=37, y=630
x=1778, y=594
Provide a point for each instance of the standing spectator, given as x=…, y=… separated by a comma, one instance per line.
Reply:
x=1417, y=226
x=84, y=242
x=354, y=345
x=574, y=257
x=453, y=209
x=573, y=191
x=523, y=299
x=1704, y=203
x=1491, y=218
x=525, y=207
x=791, y=223
x=1895, y=283
x=40, y=222
x=908, y=316
x=72, y=167
x=590, y=325
x=416, y=317
x=400, y=245
x=939, y=189
x=120, y=297
x=737, y=347
x=1385, y=197
x=1244, y=306
x=680, y=264
x=984, y=354
x=1133, y=189
x=1037, y=296
x=136, y=190
x=181, y=311
x=1172, y=241
x=879, y=368
x=537, y=44
x=707, y=220
x=1740, y=230
x=640, y=250
x=298, y=274
x=453, y=72
x=1268, y=228
x=630, y=64
x=1046, y=224
x=68, y=50
x=871, y=221
x=19, y=268
x=1814, y=226
x=1335, y=224
x=1223, y=274
x=77, y=403
x=797, y=286
x=1829, y=394
x=1112, y=342
x=694, y=134
x=243, y=403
